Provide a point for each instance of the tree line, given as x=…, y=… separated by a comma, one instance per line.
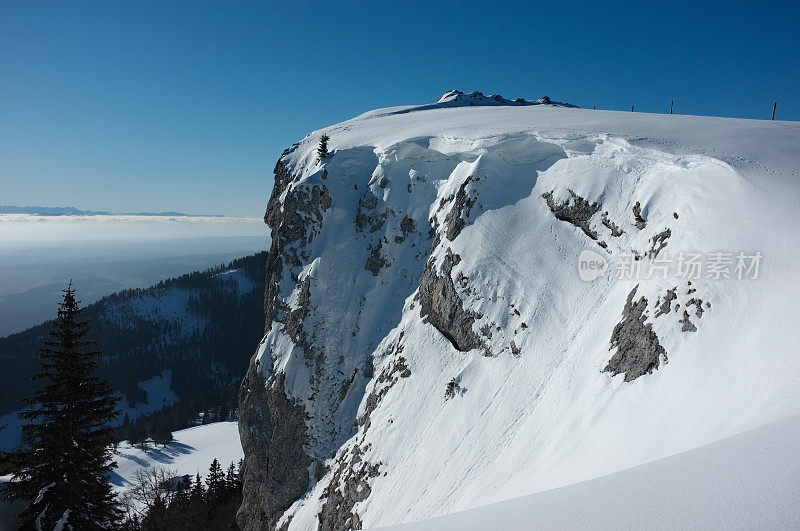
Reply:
x=207, y=344
x=159, y=499
x=62, y=472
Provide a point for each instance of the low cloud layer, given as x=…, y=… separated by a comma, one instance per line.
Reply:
x=31, y=228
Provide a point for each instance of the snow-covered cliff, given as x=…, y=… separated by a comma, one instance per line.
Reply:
x=482, y=298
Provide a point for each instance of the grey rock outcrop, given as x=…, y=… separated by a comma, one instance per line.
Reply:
x=271, y=425
x=292, y=221
x=638, y=349
x=658, y=242
x=459, y=212
x=388, y=377
x=442, y=306
x=348, y=486
x=615, y=230
x=665, y=306
x=273, y=433
x=576, y=211
x=293, y=422
x=375, y=261
x=368, y=217
x=687, y=324
x=638, y=220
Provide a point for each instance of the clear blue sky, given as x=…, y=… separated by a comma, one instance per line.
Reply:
x=187, y=105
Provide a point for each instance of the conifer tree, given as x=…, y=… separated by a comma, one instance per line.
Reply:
x=215, y=480
x=197, y=497
x=230, y=478
x=63, y=472
x=322, y=150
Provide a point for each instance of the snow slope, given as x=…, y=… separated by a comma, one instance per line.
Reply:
x=440, y=245
x=746, y=481
x=190, y=453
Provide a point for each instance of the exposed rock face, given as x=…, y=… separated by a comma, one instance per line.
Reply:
x=577, y=211
x=698, y=304
x=665, y=306
x=388, y=377
x=375, y=262
x=349, y=485
x=639, y=221
x=459, y=212
x=271, y=425
x=443, y=308
x=638, y=349
x=273, y=434
x=615, y=230
x=688, y=326
x=290, y=214
x=658, y=242
x=368, y=218
x=298, y=402
x=407, y=226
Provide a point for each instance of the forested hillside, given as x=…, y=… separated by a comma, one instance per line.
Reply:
x=179, y=346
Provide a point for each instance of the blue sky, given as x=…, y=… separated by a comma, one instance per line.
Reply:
x=187, y=105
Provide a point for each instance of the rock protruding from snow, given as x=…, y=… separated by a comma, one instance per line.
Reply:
x=456, y=98
x=443, y=308
x=577, y=211
x=638, y=349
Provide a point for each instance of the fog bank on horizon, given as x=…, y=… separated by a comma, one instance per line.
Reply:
x=24, y=228
x=39, y=255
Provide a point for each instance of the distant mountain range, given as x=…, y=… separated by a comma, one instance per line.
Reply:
x=72, y=211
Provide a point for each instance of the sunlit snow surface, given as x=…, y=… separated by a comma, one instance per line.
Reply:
x=748, y=481
x=190, y=453
x=548, y=416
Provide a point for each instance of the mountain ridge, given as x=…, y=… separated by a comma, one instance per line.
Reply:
x=430, y=346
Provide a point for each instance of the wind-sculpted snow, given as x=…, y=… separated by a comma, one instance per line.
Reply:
x=751, y=478
x=442, y=245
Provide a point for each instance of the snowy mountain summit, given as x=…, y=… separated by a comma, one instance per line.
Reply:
x=455, y=98
x=471, y=303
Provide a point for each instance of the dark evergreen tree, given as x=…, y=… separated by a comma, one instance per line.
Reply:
x=63, y=471
x=215, y=481
x=198, y=491
x=230, y=478
x=162, y=436
x=177, y=503
x=322, y=150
